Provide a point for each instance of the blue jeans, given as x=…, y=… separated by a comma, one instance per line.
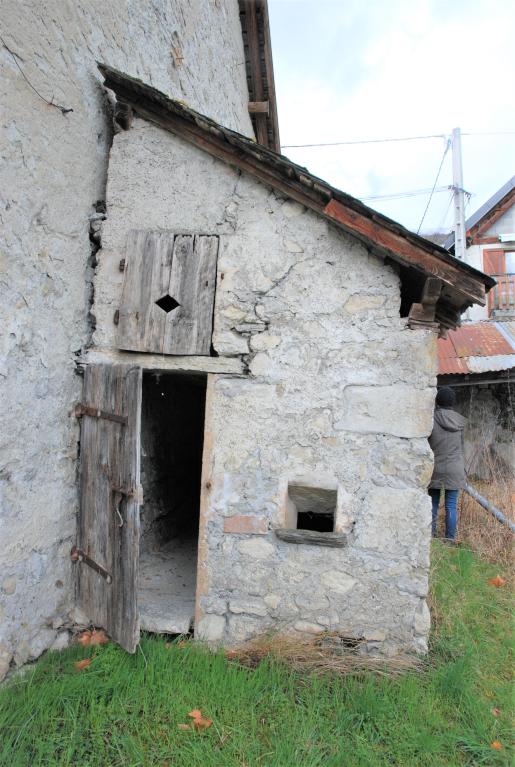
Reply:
x=451, y=501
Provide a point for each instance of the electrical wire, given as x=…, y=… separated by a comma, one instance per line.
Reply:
x=401, y=195
x=401, y=138
x=447, y=147
x=366, y=141
x=451, y=198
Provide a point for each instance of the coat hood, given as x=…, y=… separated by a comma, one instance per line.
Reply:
x=449, y=420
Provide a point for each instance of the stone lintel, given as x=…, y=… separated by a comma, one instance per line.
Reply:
x=165, y=363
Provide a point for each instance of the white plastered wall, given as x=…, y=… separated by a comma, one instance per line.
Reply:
x=53, y=171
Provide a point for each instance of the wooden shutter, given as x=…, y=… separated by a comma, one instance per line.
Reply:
x=168, y=293
x=494, y=261
x=108, y=530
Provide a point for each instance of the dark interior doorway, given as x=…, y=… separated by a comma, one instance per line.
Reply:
x=172, y=431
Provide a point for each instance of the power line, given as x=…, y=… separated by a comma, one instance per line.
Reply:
x=400, y=138
x=451, y=198
x=447, y=147
x=366, y=141
x=400, y=195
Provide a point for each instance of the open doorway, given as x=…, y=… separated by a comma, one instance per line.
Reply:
x=172, y=431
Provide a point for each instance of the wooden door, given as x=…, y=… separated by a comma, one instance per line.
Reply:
x=168, y=293
x=107, y=550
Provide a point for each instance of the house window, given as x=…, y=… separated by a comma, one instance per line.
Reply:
x=510, y=261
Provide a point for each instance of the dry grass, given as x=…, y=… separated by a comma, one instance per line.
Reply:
x=478, y=528
x=325, y=654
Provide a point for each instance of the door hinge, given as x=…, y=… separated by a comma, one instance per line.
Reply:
x=81, y=410
x=77, y=555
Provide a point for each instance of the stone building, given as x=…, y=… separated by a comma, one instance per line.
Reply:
x=257, y=396
x=258, y=349
x=54, y=166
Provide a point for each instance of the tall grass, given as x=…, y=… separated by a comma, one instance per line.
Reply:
x=490, y=474
x=124, y=711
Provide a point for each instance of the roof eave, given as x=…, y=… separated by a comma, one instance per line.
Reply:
x=465, y=285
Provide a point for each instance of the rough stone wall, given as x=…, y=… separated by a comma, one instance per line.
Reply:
x=338, y=394
x=490, y=414
x=53, y=171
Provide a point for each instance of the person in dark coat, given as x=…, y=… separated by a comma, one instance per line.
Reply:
x=446, y=442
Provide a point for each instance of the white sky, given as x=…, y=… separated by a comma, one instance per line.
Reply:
x=363, y=69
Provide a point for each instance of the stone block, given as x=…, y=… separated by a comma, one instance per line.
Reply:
x=338, y=581
x=256, y=548
x=306, y=627
x=248, y=607
x=5, y=660
x=361, y=302
x=399, y=410
x=210, y=628
x=422, y=620
x=264, y=341
x=61, y=641
x=246, y=525
x=272, y=600
x=9, y=586
x=394, y=523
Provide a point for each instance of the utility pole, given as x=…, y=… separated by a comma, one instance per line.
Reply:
x=460, y=233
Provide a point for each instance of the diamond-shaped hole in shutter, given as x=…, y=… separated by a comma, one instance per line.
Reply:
x=167, y=303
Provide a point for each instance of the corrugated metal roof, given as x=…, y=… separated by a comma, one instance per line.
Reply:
x=477, y=347
x=488, y=364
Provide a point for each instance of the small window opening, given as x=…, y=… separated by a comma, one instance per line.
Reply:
x=167, y=303
x=312, y=508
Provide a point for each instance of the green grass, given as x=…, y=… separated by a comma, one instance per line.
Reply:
x=123, y=711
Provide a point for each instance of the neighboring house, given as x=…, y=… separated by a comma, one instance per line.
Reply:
x=478, y=360
x=257, y=396
x=491, y=248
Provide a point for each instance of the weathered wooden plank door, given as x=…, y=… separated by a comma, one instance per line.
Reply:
x=108, y=530
x=168, y=293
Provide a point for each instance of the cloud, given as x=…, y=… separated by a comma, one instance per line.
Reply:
x=354, y=70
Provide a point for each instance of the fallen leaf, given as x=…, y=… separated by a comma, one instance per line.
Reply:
x=84, y=639
x=80, y=664
x=184, y=726
x=497, y=582
x=202, y=723
x=195, y=714
x=98, y=636
x=496, y=745
x=496, y=711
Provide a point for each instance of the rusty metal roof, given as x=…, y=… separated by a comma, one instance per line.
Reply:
x=477, y=347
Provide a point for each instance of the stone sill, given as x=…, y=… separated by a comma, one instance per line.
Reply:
x=312, y=537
